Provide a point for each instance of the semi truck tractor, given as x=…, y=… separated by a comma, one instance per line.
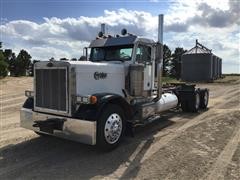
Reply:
x=118, y=88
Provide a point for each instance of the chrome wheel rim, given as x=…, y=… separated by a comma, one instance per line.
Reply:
x=197, y=101
x=113, y=128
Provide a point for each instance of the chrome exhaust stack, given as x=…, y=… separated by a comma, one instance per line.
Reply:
x=103, y=28
x=159, y=53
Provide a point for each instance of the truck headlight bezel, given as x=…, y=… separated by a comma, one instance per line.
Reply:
x=86, y=99
x=29, y=93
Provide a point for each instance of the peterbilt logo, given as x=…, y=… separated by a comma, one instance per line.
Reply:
x=100, y=75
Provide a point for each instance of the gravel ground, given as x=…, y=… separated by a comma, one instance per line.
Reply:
x=179, y=145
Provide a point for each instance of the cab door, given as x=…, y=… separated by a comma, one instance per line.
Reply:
x=144, y=56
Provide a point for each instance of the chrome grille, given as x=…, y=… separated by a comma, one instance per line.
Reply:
x=51, y=89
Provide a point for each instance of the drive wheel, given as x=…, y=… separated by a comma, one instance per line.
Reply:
x=110, y=127
x=204, y=99
x=195, y=104
x=184, y=106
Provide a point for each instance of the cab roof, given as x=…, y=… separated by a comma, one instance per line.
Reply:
x=113, y=41
x=117, y=41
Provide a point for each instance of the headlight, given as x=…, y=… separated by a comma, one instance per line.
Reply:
x=86, y=99
x=29, y=93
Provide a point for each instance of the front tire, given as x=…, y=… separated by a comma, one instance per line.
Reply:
x=110, y=127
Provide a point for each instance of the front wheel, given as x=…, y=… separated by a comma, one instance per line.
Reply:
x=110, y=127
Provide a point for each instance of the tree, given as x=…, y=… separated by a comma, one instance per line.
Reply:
x=83, y=58
x=166, y=59
x=3, y=66
x=7, y=54
x=12, y=64
x=23, y=61
x=175, y=64
x=20, y=65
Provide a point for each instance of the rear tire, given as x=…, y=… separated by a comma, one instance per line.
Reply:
x=195, y=103
x=110, y=127
x=204, y=97
x=184, y=106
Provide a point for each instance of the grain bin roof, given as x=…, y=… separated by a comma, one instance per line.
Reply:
x=199, y=49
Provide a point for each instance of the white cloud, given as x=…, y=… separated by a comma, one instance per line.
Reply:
x=66, y=37
x=216, y=25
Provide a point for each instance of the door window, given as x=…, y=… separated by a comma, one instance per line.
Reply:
x=143, y=54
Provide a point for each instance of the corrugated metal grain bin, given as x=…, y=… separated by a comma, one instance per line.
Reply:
x=220, y=67
x=214, y=67
x=197, y=67
x=199, y=64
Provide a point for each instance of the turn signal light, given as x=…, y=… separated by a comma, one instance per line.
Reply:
x=93, y=99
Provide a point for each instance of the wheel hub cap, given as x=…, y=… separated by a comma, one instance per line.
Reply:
x=113, y=128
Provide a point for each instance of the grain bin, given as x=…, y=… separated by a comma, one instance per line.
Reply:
x=218, y=72
x=220, y=68
x=214, y=67
x=197, y=64
x=200, y=64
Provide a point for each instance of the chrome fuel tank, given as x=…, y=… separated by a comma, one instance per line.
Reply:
x=167, y=101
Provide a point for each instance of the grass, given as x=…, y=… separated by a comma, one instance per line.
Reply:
x=232, y=74
x=168, y=79
x=228, y=79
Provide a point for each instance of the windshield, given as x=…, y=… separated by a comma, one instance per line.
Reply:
x=117, y=53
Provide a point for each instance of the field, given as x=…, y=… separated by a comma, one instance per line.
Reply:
x=179, y=145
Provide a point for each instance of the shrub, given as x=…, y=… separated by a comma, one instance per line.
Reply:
x=3, y=69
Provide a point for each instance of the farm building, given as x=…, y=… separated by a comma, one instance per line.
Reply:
x=200, y=64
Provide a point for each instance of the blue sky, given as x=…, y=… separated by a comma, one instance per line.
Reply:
x=61, y=28
x=35, y=10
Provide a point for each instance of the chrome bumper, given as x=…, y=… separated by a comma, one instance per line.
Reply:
x=73, y=129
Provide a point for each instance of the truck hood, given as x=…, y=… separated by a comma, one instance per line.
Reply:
x=86, y=66
x=95, y=77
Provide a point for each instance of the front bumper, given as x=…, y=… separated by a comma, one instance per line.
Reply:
x=73, y=129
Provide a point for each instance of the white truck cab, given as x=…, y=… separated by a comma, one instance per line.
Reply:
x=94, y=101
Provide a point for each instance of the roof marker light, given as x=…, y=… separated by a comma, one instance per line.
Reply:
x=124, y=31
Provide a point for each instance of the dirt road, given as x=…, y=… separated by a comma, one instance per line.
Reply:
x=205, y=145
